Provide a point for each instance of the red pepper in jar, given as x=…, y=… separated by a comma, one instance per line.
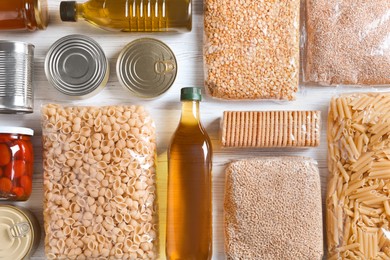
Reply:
x=26, y=185
x=15, y=169
x=5, y=154
x=5, y=185
x=16, y=163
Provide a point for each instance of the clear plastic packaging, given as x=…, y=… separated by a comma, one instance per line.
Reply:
x=99, y=183
x=357, y=200
x=347, y=42
x=251, y=49
x=273, y=209
x=257, y=129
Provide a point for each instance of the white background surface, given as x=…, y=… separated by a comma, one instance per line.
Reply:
x=165, y=110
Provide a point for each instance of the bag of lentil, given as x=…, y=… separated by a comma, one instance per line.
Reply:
x=251, y=49
x=347, y=42
x=99, y=183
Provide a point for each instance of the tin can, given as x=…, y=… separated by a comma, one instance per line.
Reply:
x=16, y=77
x=77, y=66
x=19, y=233
x=146, y=67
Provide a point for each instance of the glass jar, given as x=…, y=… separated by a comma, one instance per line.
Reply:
x=16, y=163
x=23, y=15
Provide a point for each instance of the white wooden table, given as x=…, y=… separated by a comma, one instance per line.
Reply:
x=165, y=110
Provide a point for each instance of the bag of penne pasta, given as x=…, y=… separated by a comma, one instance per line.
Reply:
x=357, y=200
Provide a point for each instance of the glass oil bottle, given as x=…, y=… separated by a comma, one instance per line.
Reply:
x=132, y=15
x=189, y=218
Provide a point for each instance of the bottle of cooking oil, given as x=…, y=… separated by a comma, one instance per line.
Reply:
x=189, y=229
x=132, y=15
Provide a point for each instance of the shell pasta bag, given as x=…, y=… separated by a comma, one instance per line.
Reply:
x=357, y=200
x=99, y=183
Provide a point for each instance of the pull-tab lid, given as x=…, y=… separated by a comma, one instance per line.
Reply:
x=146, y=67
x=16, y=234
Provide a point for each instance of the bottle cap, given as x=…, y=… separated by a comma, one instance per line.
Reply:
x=191, y=94
x=68, y=11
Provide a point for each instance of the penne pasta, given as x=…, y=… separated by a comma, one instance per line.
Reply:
x=358, y=206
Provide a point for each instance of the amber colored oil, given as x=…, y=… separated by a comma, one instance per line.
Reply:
x=138, y=15
x=189, y=228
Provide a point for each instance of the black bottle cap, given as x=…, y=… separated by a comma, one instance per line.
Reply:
x=68, y=11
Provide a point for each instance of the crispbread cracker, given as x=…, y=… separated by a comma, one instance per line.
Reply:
x=270, y=129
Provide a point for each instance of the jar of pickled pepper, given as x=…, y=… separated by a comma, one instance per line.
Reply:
x=16, y=163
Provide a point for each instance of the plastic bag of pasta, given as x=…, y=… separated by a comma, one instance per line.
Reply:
x=99, y=183
x=357, y=201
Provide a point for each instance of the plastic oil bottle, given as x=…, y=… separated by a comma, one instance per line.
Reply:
x=189, y=217
x=132, y=15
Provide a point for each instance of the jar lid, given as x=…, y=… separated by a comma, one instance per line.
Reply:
x=16, y=233
x=146, y=67
x=16, y=130
x=41, y=12
x=77, y=66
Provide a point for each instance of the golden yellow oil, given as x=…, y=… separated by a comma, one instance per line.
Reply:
x=189, y=219
x=138, y=15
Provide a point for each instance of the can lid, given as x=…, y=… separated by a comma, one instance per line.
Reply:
x=147, y=67
x=76, y=65
x=194, y=94
x=41, y=12
x=16, y=233
x=16, y=130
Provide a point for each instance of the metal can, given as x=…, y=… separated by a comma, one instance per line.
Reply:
x=146, y=67
x=19, y=233
x=77, y=66
x=16, y=74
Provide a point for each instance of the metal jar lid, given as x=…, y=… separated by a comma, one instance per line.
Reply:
x=77, y=66
x=146, y=67
x=17, y=233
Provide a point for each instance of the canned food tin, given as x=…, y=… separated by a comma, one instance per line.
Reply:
x=16, y=73
x=19, y=233
x=146, y=67
x=77, y=66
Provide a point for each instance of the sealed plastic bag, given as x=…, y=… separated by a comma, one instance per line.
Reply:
x=348, y=42
x=256, y=129
x=273, y=209
x=99, y=183
x=251, y=49
x=357, y=201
